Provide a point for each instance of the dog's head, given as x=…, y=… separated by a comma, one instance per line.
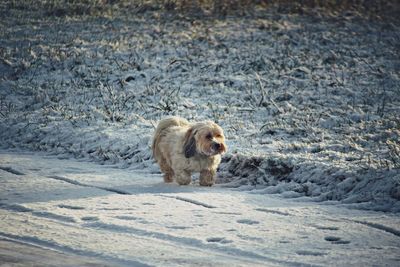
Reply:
x=204, y=138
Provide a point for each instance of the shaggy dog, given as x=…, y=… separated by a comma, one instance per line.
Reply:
x=181, y=148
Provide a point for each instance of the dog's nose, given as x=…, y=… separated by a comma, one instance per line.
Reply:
x=216, y=146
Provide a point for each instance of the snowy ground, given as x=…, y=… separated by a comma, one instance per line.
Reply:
x=17, y=253
x=310, y=103
x=56, y=209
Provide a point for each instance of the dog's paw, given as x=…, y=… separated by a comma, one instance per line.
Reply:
x=207, y=177
x=206, y=183
x=183, y=182
x=168, y=178
x=183, y=179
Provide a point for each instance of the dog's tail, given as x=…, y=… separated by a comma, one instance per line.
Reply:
x=160, y=132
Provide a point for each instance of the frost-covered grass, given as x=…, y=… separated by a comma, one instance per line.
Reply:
x=310, y=103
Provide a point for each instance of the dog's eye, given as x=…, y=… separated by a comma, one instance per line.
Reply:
x=218, y=136
x=209, y=136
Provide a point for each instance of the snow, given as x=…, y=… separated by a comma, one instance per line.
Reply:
x=124, y=217
x=309, y=104
x=313, y=102
x=24, y=254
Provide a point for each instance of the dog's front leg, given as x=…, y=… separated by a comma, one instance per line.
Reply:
x=207, y=177
x=183, y=177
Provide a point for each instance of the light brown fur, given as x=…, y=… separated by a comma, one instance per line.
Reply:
x=181, y=148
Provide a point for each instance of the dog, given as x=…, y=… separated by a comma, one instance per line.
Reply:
x=180, y=148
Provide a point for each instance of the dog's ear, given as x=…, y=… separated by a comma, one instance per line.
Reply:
x=189, y=146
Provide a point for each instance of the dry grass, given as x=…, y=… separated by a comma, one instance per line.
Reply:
x=201, y=8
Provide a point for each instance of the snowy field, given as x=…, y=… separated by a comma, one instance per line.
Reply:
x=309, y=102
x=108, y=216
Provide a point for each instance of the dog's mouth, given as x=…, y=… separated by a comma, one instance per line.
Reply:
x=215, y=148
x=211, y=152
x=215, y=151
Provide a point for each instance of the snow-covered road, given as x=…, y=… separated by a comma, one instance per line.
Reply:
x=127, y=217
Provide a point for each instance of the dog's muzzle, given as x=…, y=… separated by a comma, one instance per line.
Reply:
x=217, y=147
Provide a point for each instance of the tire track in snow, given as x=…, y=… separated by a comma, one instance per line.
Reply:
x=11, y=170
x=15, y=207
x=42, y=214
x=273, y=211
x=379, y=227
x=54, y=246
x=74, y=182
x=191, y=201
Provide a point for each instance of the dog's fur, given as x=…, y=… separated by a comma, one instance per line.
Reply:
x=181, y=148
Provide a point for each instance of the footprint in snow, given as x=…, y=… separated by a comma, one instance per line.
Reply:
x=132, y=218
x=227, y=213
x=221, y=240
x=178, y=227
x=330, y=228
x=70, y=207
x=341, y=242
x=127, y=218
x=332, y=238
x=148, y=204
x=377, y=248
x=90, y=218
x=247, y=221
x=310, y=253
x=336, y=240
